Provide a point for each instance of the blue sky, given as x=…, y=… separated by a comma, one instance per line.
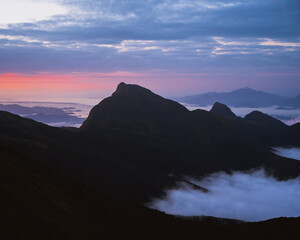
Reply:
x=174, y=47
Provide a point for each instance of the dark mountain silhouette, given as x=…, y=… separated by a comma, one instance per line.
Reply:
x=161, y=135
x=134, y=107
x=265, y=119
x=65, y=151
x=133, y=146
x=244, y=97
x=37, y=203
x=266, y=129
x=222, y=110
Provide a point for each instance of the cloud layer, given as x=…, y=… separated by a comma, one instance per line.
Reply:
x=245, y=196
x=291, y=152
x=254, y=43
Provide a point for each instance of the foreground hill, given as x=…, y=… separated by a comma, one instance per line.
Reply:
x=68, y=153
x=244, y=97
x=37, y=203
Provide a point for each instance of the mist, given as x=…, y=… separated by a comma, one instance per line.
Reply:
x=252, y=196
x=291, y=152
x=53, y=114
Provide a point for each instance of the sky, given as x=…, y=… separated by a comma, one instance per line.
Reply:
x=84, y=48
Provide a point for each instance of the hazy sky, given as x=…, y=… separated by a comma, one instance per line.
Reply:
x=174, y=47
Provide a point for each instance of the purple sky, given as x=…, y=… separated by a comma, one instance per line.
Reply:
x=174, y=47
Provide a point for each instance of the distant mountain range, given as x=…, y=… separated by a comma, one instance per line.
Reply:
x=244, y=97
x=133, y=146
x=143, y=139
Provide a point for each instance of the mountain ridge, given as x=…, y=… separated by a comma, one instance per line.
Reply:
x=130, y=150
x=150, y=121
x=149, y=144
x=222, y=110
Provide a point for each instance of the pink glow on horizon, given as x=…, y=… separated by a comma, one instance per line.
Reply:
x=103, y=84
x=15, y=84
x=16, y=81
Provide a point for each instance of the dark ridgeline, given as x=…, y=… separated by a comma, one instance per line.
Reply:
x=134, y=107
x=264, y=119
x=222, y=110
x=133, y=145
x=153, y=132
x=147, y=143
x=267, y=129
x=244, y=97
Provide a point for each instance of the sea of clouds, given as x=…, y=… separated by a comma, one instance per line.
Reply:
x=251, y=196
x=291, y=152
x=248, y=196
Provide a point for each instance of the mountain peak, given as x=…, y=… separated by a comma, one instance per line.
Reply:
x=135, y=107
x=262, y=118
x=121, y=85
x=124, y=89
x=222, y=110
x=245, y=90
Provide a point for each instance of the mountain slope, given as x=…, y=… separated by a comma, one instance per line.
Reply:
x=264, y=128
x=66, y=152
x=135, y=144
x=37, y=203
x=133, y=107
x=222, y=110
x=159, y=134
x=262, y=118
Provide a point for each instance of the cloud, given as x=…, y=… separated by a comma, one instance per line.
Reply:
x=291, y=152
x=245, y=196
x=64, y=124
x=18, y=11
x=240, y=37
x=270, y=42
x=294, y=120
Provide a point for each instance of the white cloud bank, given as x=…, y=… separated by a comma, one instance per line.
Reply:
x=17, y=11
x=288, y=152
x=245, y=196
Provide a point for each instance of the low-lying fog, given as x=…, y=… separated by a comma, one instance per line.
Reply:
x=57, y=114
x=291, y=152
x=246, y=196
x=251, y=196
